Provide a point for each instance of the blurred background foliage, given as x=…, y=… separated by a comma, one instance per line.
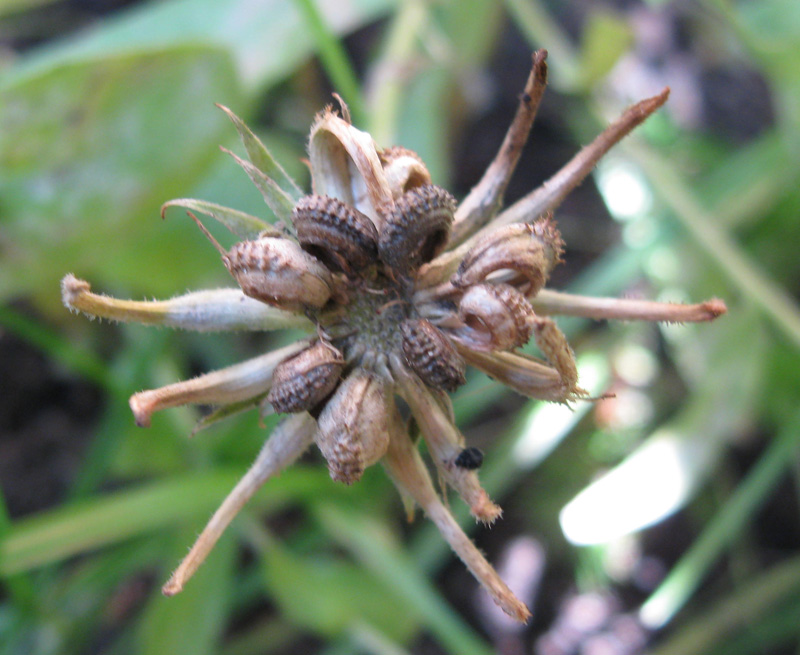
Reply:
x=664, y=520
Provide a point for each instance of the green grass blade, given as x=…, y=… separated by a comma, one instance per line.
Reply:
x=334, y=59
x=689, y=572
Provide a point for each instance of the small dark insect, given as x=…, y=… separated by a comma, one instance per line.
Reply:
x=470, y=458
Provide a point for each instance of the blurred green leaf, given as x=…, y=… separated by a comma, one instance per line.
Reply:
x=331, y=596
x=606, y=37
x=90, y=149
x=266, y=41
x=372, y=545
x=194, y=620
x=67, y=531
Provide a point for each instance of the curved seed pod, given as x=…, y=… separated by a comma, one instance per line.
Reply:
x=431, y=355
x=530, y=250
x=335, y=233
x=495, y=317
x=279, y=272
x=353, y=428
x=417, y=228
x=304, y=380
x=404, y=170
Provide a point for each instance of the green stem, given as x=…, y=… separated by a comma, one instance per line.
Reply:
x=334, y=59
x=776, y=304
x=689, y=572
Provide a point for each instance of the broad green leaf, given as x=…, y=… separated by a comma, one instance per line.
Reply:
x=374, y=547
x=266, y=40
x=331, y=596
x=89, y=151
x=606, y=38
x=193, y=620
x=241, y=224
x=67, y=531
x=261, y=158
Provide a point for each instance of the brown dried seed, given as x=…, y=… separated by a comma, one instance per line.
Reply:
x=353, y=427
x=336, y=233
x=431, y=355
x=496, y=317
x=304, y=380
x=416, y=229
x=279, y=272
x=529, y=250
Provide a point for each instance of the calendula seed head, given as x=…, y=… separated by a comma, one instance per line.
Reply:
x=400, y=287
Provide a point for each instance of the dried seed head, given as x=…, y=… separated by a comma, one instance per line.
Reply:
x=417, y=228
x=495, y=317
x=470, y=458
x=529, y=250
x=301, y=382
x=279, y=272
x=353, y=428
x=335, y=233
x=431, y=355
x=404, y=170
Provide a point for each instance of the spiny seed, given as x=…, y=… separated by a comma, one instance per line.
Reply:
x=431, y=355
x=336, y=233
x=497, y=317
x=303, y=381
x=417, y=228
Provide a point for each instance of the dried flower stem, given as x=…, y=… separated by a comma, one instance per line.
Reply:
x=486, y=197
x=405, y=465
x=202, y=311
x=626, y=309
x=287, y=443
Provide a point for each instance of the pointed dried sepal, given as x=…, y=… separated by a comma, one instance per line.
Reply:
x=486, y=198
x=287, y=442
x=202, y=311
x=261, y=158
x=280, y=273
x=242, y=225
x=418, y=227
x=405, y=466
x=404, y=170
x=345, y=165
x=529, y=250
x=431, y=355
x=494, y=317
x=302, y=381
x=432, y=412
x=278, y=200
x=353, y=427
x=626, y=309
x=337, y=234
x=522, y=373
x=233, y=384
